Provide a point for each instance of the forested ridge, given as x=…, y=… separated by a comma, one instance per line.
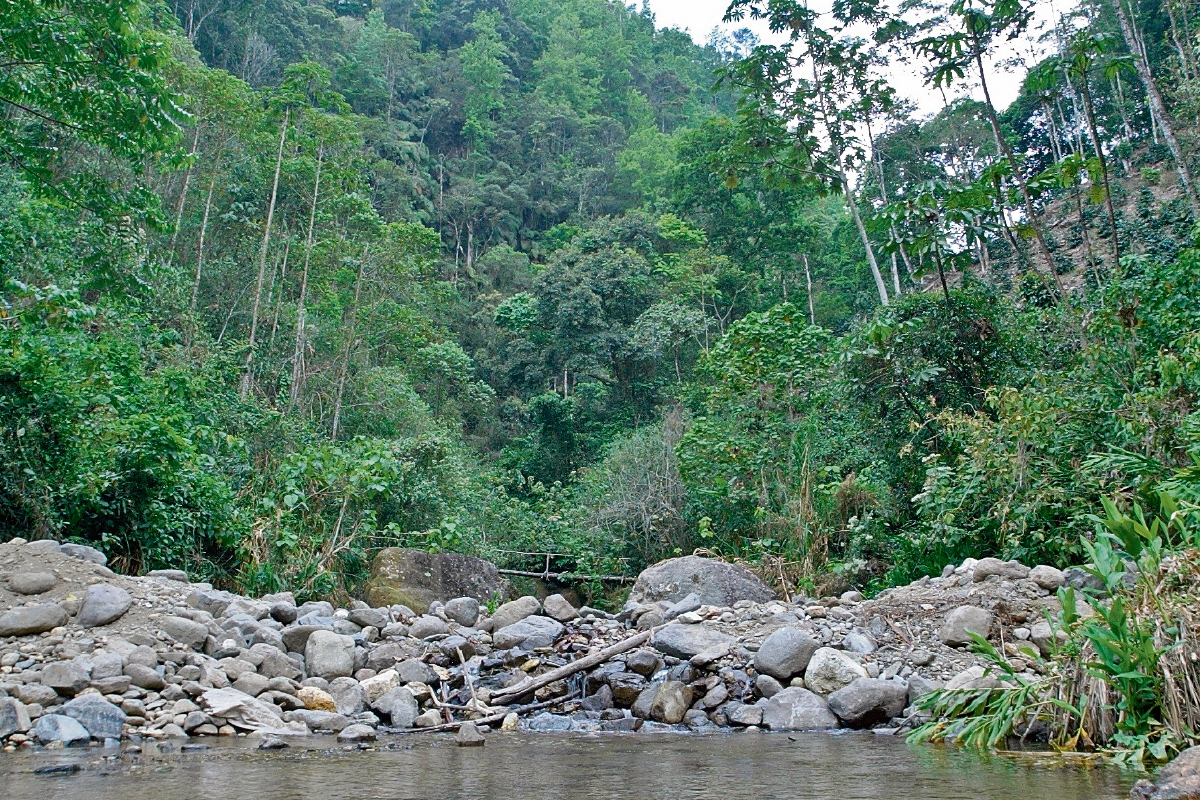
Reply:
x=285, y=282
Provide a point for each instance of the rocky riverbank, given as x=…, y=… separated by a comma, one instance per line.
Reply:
x=89, y=656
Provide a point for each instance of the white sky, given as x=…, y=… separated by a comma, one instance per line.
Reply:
x=699, y=17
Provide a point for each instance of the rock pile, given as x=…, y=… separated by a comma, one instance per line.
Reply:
x=88, y=655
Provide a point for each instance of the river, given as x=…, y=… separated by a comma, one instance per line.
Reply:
x=535, y=766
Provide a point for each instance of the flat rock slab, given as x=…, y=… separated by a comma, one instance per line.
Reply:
x=531, y=632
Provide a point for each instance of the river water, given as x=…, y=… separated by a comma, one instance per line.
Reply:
x=555, y=767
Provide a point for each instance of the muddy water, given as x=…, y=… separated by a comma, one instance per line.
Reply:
x=532, y=767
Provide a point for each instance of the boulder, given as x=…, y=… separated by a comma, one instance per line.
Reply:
x=643, y=662
x=785, y=653
x=399, y=706
x=14, y=717
x=329, y=655
x=414, y=578
x=428, y=626
x=1047, y=577
x=53, y=728
x=176, y=575
x=1179, y=780
x=529, y=633
x=315, y=699
x=373, y=617
x=690, y=603
x=1044, y=637
x=101, y=718
x=830, y=670
x=671, y=702
x=357, y=733
x=185, y=631
x=413, y=670
x=868, y=702
x=626, y=687
x=956, y=628
x=469, y=735
x=746, y=715
x=987, y=567
x=1082, y=580
x=65, y=677
x=558, y=607
x=348, y=696
x=716, y=582
x=107, y=665
x=35, y=694
x=296, y=636
x=860, y=641
x=685, y=641
x=103, y=604
x=796, y=709
x=318, y=720
x=144, y=677
x=379, y=685
x=241, y=710
x=32, y=582
x=84, y=553
x=28, y=620
x=463, y=610
x=767, y=686
x=513, y=612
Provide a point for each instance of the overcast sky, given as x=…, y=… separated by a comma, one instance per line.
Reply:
x=699, y=17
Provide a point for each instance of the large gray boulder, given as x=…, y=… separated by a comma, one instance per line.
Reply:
x=103, y=604
x=685, y=641
x=414, y=578
x=65, y=677
x=28, y=620
x=716, y=582
x=830, y=670
x=559, y=608
x=987, y=567
x=868, y=702
x=185, y=631
x=1179, y=780
x=399, y=706
x=515, y=611
x=60, y=728
x=329, y=655
x=529, y=633
x=961, y=622
x=84, y=553
x=14, y=718
x=463, y=610
x=785, y=653
x=796, y=709
x=102, y=719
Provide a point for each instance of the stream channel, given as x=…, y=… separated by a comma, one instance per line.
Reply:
x=550, y=766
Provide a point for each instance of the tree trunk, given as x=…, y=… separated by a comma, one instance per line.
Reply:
x=997, y=131
x=298, y=366
x=345, y=368
x=247, y=373
x=1095, y=135
x=835, y=138
x=187, y=177
x=812, y=317
x=1157, y=108
x=200, y=261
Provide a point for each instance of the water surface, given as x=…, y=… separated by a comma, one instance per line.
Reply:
x=556, y=767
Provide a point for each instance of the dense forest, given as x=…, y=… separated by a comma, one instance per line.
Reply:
x=287, y=281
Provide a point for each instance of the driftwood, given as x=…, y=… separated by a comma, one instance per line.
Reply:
x=488, y=720
x=599, y=657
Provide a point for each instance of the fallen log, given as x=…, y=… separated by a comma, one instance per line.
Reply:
x=532, y=684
